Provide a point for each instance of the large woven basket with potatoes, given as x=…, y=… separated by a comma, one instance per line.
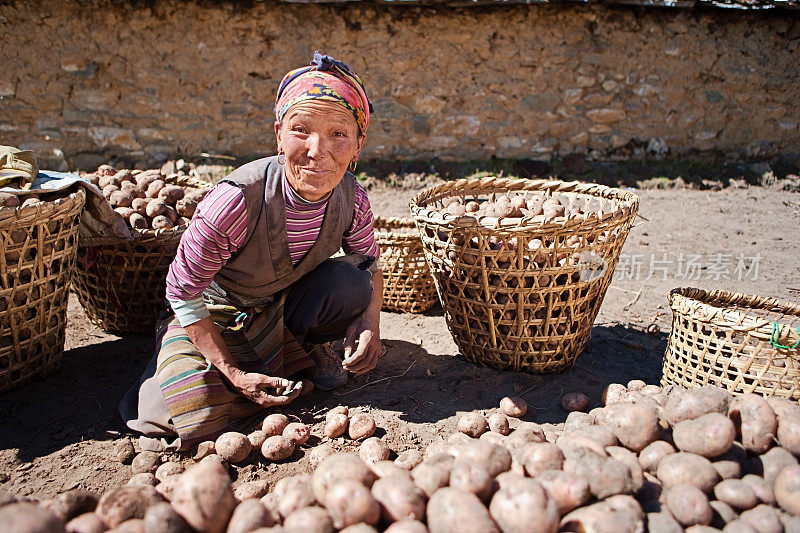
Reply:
x=743, y=343
x=407, y=282
x=37, y=263
x=122, y=284
x=522, y=266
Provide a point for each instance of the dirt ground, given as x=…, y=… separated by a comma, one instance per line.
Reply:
x=59, y=433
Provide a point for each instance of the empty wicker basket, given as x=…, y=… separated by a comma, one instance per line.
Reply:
x=522, y=293
x=407, y=281
x=37, y=262
x=122, y=285
x=736, y=341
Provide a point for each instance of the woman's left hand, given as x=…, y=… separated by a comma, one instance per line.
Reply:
x=362, y=357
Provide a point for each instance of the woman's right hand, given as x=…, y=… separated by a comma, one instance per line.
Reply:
x=256, y=387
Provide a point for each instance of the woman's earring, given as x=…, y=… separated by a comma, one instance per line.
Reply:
x=281, y=158
x=352, y=166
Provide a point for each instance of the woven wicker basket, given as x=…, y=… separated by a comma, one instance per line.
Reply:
x=510, y=306
x=122, y=285
x=740, y=342
x=407, y=281
x=37, y=262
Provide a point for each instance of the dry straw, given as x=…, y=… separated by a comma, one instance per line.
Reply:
x=740, y=342
x=122, y=285
x=407, y=282
x=522, y=293
x=37, y=261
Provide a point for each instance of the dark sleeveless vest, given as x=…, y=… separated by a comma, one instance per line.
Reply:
x=262, y=266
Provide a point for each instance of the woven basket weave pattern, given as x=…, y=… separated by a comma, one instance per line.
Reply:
x=39, y=246
x=122, y=286
x=510, y=306
x=407, y=282
x=723, y=339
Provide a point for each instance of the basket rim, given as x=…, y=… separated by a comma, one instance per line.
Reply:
x=629, y=202
x=44, y=209
x=717, y=304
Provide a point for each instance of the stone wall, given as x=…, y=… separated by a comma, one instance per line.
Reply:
x=85, y=81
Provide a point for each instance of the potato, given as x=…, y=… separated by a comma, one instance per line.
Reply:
x=140, y=205
x=108, y=190
x=399, y=498
x=277, y=448
x=161, y=222
x=614, y=393
x=542, y=456
x=635, y=425
x=574, y=401
x=337, y=467
x=257, y=438
x=568, y=491
x=653, y=453
x=203, y=497
x=662, y=523
x=309, y=519
x=361, y=426
x=137, y=221
x=248, y=516
x=123, y=503
x=573, y=442
x=349, y=502
x=433, y=473
x=514, y=407
x=755, y=422
x=739, y=526
x=526, y=433
x=124, y=212
x=27, y=517
x=105, y=181
x=204, y=449
x=297, y=432
x=233, y=446
x=162, y=517
x=498, y=423
x=617, y=514
x=386, y=468
x=171, y=194
x=359, y=528
x=338, y=410
x=626, y=456
x=72, y=503
x=335, y=425
x=471, y=478
x=731, y=463
x=689, y=505
x=320, y=452
x=143, y=478
x=409, y=459
x=709, y=435
x=723, y=513
x=491, y=437
x=186, y=207
x=768, y=465
x=274, y=424
x=195, y=195
x=452, y=510
x=791, y=523
x=91, y=523
x=688, y=404
x=579, y=420
x=167, y=487
x=687, y=468
x=155, y=208
x=171, y=214
x=144, y=179
x=373, y=450
x=407, y=525
x=787, y=489
x=8, y=199
x=472, y=424
x=495, y=459
x=251, y=490
x=763, y=518
x=146, y=462
x=525, y=507
x=605, y=476
x=762, y=489
x=789, y=432
x=154, y=188
x=736, y=493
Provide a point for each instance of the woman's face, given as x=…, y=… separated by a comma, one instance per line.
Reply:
x=319, y=139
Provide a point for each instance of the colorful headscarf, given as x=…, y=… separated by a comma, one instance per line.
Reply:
x=326, y=79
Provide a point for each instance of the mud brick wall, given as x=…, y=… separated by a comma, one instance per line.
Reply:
x=84, y=81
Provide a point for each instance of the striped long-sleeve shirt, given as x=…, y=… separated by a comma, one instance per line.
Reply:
x=219, y=228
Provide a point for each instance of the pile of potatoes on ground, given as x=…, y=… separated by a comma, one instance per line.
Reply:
x=651, y=459
x=143, y=198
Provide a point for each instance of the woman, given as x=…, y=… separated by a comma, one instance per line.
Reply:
x=256, y=296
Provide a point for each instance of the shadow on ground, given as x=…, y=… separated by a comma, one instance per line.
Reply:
x=77, y=402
